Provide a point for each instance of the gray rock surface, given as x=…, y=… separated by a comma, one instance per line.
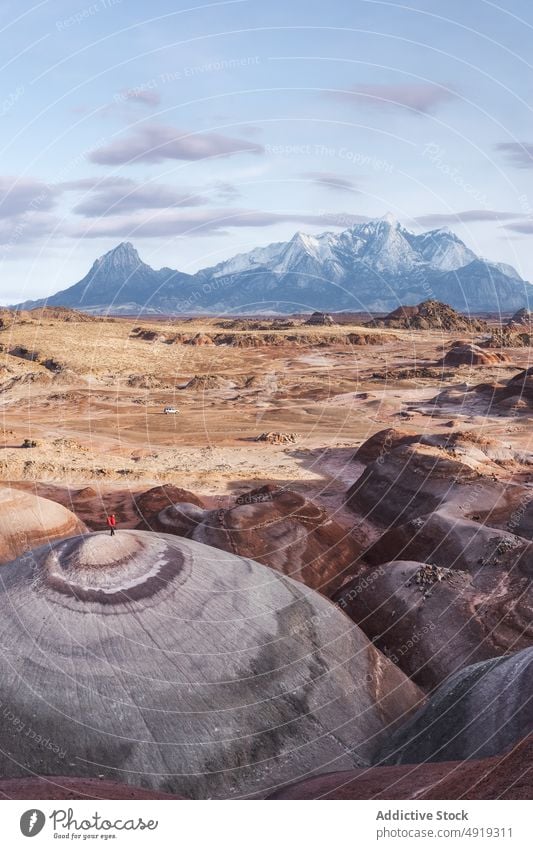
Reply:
x=160, y=662
x=477, y=712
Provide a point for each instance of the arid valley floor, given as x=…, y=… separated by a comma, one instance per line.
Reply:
x=390, y=469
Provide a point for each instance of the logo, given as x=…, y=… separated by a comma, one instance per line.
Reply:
x=32, y=822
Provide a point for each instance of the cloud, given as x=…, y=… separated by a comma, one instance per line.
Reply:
x=329, y=180
x=87, y=183
x=118, y=195
x=203, y=222
x=129, y=196
x=23, y=229
x=466, y=216
x=226, y=191
x=423, y=98
x=519, y=154
x=521, y=226
x=24, y=194
x=157, y=142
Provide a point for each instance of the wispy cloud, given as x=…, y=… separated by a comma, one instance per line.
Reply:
x=129, y=196
x=87, y=183
x=24, y=195
x=467, y=215
x=22, y=229
x=525, y=226
x=329, y=180
x=226, y=191
x=519, y=154
x=157, y=142
x=203, y=222
x=423, y=98
x=117, y=195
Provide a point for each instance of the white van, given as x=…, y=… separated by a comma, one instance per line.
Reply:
x=170, y=411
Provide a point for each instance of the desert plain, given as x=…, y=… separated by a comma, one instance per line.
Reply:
x=91, y=393
x=384, y=465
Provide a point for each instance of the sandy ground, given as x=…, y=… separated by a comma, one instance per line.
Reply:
x=91, y=396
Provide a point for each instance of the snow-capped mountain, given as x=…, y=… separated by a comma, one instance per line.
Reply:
x=375, y=266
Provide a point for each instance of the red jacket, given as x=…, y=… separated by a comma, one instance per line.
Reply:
x=111, y=522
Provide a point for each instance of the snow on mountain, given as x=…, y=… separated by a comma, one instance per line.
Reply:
x=443, y=250
x=505, y=268
x=381, y=244
x=375, y=265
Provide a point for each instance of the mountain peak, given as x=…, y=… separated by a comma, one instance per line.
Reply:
x=122, y=257
x=389, y=218
x=124, y=249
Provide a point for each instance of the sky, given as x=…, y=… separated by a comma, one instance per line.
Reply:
x=201, y=130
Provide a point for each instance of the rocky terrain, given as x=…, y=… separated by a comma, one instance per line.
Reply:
x=328, y=545
x=429, y=315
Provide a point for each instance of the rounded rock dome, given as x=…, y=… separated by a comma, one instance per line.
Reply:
x=164, y=663
x=27, y=520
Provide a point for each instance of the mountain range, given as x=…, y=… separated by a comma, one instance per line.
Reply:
x=374, y=266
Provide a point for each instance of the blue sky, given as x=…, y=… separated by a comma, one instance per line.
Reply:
x=200, y=130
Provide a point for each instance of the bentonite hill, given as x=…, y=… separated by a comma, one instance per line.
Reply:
x=320, y=581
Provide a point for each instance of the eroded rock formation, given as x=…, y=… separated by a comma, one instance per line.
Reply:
x=158, y=661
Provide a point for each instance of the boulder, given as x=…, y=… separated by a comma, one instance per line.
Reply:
x=380, y=443
x=513, y=395
x=473, y=355
x=275, y=437
x=160, y=662
x=521, y=318
x=451, y=541
x=278, y=528
x=413, y=475
x=478, y=712
x=319, y=319
x=431, y=620
x=406, y=481
x=150, y=503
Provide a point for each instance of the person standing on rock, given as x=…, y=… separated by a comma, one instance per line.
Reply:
x=111, y=524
